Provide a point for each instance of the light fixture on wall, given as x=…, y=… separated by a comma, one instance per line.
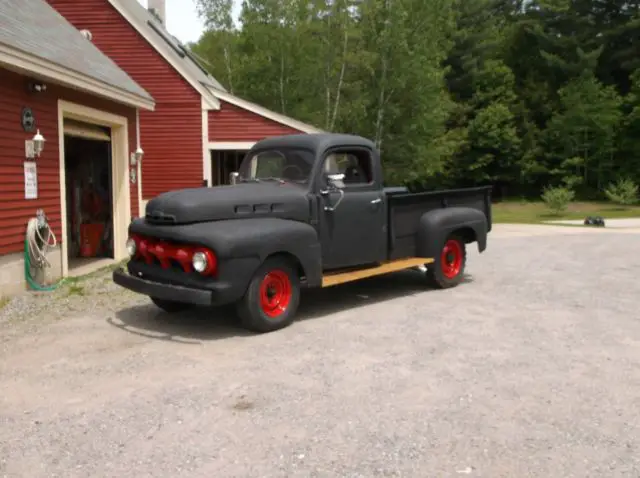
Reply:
x=137, y=156
x=36, y=87
x=38, y=143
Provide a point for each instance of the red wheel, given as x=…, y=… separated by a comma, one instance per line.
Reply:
x=275, y=293
x=451, y=258
x=272, y=298
x=448, y=268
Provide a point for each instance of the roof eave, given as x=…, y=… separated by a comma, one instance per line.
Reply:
x=265, y=113
x=41, y=68
x=164, y=51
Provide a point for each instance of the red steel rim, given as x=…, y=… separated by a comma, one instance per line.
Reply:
x=451, y=259
x=275, y=293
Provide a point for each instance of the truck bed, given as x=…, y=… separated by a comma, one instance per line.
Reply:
x=405, y=209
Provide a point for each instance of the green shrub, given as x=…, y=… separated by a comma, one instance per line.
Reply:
x=557, y=199
x=624, y=192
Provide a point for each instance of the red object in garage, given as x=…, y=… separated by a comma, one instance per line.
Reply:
x=90, y=239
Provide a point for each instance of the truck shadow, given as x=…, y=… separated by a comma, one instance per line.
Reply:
x=205, y=324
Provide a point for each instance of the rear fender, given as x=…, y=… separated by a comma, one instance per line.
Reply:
x=435, y=226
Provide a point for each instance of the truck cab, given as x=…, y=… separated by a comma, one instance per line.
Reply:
x=302, y=211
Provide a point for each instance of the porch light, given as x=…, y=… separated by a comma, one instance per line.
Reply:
x=136, y=157
x=139, y=154
x=38, y=143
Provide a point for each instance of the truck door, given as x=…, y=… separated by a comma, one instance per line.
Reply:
x=352, y=224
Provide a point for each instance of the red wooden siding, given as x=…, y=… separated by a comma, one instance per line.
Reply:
x=171, y=136
x=232, y=123
x=15, y=211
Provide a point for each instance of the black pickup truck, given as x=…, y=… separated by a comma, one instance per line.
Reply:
x=302, y=211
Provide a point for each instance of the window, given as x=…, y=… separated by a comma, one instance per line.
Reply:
x=356, y=166
x=291, y=165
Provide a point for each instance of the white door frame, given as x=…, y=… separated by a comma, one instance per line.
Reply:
x=121, y=199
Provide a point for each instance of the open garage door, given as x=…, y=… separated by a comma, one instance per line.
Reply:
x=78, y=129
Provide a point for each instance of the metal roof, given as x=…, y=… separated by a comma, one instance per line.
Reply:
x=34, y=27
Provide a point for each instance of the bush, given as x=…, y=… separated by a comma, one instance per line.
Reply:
x=557, y=199
x=624, y=192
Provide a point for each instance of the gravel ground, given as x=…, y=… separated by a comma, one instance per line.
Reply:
x=530, y=368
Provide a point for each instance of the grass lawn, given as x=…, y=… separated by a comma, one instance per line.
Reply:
x=537, y=212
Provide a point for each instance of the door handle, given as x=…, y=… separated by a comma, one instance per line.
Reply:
x=376, y=201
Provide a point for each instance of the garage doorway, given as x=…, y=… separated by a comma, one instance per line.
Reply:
x=89, y=185
x=223, y=163
x=98, y=141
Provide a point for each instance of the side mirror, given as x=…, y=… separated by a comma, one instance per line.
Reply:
x=335, y=182
x=233, y=177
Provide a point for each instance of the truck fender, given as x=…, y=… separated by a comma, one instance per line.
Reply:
x=260, y=238
x=435, y=226
x=242, y=245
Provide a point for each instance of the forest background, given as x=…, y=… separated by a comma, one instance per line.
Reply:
x=521, y=95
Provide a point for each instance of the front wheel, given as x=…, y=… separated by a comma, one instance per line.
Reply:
x=448, y=268
x=272, y=297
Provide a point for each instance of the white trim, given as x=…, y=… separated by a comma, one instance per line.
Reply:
x=84, y=130
x=120, y=173
x=265, y=113
x=206, y=155
x=166, y=52
x=231, y=145
x=48, y=70
x=139, y=165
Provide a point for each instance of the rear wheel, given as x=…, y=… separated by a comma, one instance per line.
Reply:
x=448, y=268
x=272, y=297
x=171, y=306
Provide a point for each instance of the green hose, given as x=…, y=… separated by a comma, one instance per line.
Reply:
x=27, y=272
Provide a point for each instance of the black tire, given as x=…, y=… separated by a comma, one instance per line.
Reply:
x=272, y=298
x=171, y=306
x=448, y=268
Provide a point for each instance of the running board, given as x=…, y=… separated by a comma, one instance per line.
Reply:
x=336, y=278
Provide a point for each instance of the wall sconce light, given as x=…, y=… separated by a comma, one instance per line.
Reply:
x=38, y=143
x=36, y=87
x=139, y=154
x=136, y=157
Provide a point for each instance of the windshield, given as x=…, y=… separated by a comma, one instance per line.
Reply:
x=291, y=165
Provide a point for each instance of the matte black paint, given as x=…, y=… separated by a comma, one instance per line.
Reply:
x=160, y=290
x=436, y=226
x=246, y=223
x=187, y=206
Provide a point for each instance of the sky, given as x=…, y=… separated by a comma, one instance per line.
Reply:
x=182, y=19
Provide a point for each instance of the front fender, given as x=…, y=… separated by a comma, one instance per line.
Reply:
x=241, y=245
x=435, y=226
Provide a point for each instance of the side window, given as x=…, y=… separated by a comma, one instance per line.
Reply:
x=356, y=165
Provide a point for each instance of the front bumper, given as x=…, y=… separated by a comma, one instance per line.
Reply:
x=159, y=290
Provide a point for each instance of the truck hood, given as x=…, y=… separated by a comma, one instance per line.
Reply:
x=267, y=199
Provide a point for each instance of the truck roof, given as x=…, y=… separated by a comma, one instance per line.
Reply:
x=315, y=141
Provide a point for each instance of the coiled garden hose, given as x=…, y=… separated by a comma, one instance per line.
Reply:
x=36, y=246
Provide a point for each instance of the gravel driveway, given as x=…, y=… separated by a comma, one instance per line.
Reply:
x=531, y=368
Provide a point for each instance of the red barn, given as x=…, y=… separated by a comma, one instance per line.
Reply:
x=198, y=131
x=56, y=86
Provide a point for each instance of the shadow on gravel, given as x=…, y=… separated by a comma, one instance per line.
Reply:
x=220, y=323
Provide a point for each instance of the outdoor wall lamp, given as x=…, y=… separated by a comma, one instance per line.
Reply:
x=137, y=156
x=38, y=143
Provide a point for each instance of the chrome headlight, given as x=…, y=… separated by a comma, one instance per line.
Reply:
x=131, y=247
x=200, y=262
